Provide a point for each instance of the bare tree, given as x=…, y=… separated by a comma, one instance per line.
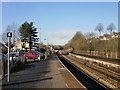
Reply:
x=113, y=43
x=99, y=28
x=4, y=35
x=90, y=35
x=111, y=27
x=16, y=35
x=0, y=38
x=11, y=28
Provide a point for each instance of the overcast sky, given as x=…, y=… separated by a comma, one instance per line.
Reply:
x=60, y=20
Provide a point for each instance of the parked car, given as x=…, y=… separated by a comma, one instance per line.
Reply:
x=20, y=51
x=42, y=55
x=4, y=56
x=31, y=55
x=34, y=54
x=14, y=56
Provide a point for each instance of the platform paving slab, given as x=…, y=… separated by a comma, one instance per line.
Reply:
x=42, y=74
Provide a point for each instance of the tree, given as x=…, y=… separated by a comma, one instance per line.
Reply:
x=99, y=28
x=111, y=27
x=0, y=38
x=78, y=42
x=15, y=33
x=113, y=43
x=90, y=35
x=28, y=33
x=4, y=37
x=24, y=31
x=91, y=41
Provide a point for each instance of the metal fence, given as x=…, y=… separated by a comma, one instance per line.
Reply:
x=14, y=61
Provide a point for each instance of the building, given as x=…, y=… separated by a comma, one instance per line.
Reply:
x=105, y=37
x=19, y=45
x=109, y=36
x=115, y=35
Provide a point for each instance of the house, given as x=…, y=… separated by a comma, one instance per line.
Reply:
x=105, y=37
x=109, y=36
x=19, y=45
x=115, y=35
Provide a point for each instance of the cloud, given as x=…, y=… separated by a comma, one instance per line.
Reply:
x=60, y=37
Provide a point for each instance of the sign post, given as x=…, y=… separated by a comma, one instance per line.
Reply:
x=9, y=35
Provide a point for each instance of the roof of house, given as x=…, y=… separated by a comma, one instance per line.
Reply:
x=109, y=35
x=115, y=33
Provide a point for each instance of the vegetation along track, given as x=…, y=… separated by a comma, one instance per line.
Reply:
x=85, y=79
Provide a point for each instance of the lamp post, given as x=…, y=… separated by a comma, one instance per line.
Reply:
x=46, y=54
x=39, y=42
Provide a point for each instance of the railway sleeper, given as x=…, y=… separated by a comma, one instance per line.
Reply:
x=100, y=63
x=110, y=83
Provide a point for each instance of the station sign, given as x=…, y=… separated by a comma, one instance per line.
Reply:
x=9, y=34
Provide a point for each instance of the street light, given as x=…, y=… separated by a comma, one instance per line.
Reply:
x=39, y=42
x=46, y=54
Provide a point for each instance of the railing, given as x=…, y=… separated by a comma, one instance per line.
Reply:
x=14, y=61
x=22, y=57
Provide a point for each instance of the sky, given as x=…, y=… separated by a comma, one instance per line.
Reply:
x=59, y=21
x=60, y=0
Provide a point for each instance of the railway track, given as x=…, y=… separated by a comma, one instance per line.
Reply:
x=84, y=78
x=106, y=65
x=105, y=76
x=101, y=70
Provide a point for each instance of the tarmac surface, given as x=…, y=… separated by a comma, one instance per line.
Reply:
x=50, y=73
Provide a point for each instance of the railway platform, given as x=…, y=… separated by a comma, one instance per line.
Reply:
x=49, y=73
